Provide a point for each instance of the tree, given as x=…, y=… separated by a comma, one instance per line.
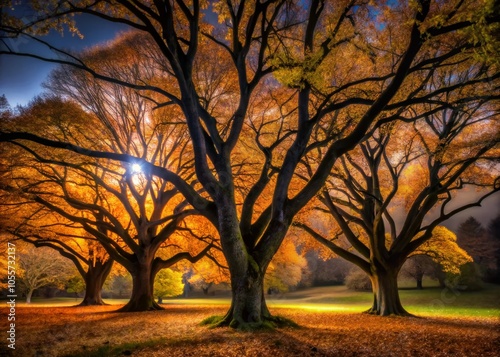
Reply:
x=90, y=259
x=41, y=267
x=416, y=267
x=494, y=232
x=113, y=204
x=168, y=283
x=309, y=46
x=474, y=238
x=441, y=249
x=477, y=241
x=386, y=199
x=76, y=285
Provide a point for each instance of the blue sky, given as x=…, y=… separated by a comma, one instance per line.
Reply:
x=21, y=78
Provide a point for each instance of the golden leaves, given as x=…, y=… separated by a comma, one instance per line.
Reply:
x=442, y=247
x=176, y=332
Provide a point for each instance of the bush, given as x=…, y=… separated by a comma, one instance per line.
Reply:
x=358, y=280
x=469, y=278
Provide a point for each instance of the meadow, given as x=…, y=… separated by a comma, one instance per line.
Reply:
x=330, y=319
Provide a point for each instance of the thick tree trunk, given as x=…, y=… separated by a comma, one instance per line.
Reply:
x=248, y=306
x=142, y=298
x=385, y=294
x=94, y=280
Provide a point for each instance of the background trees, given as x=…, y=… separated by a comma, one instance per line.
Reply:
x=389, y=51
x=416, y=169
x=168, y=283
x=482, y=245
x=125, y=209
x=41, y=267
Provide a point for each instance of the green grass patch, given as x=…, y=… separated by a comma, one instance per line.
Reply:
x=430, y=301
x=451, y=302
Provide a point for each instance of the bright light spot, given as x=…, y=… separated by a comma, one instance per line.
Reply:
x=136, y=168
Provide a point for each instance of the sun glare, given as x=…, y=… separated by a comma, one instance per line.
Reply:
x=136, y=168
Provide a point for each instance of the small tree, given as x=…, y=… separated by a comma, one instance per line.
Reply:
x=76, y=285
x=168, y=283
x=41, y=267
x=416, y=267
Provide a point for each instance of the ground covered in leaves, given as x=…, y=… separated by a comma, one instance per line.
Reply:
x=99, y=331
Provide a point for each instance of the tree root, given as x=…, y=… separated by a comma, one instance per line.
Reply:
x=267, y=323
x=402, y=313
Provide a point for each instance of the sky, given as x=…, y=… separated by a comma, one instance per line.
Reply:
x=21, y=78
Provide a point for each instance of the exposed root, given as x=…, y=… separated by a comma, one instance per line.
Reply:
x=140, y=308
x=399, y=312
x=84, y=303
x=267, y=323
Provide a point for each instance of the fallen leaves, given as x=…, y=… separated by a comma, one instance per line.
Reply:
x=71, y=331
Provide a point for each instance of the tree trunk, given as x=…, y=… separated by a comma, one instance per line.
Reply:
x=142, y=298
x=385, y=294
x=419, y=283
x=94, y=280
x=28, y=296
x=248, y=306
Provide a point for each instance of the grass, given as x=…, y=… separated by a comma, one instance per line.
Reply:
x=431, y=301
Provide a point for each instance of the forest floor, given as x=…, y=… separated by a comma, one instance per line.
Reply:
x=327, y=328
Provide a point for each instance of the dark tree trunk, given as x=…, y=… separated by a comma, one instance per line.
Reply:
x=142, y=298
x=248, y=306
x=385, y=294
x=94, y=280
x=419, y=283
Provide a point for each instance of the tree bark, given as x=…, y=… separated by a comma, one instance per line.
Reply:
x=28, y=296
x=142, y=298
x=385, y=294
x=94, y=280
x=248, y=306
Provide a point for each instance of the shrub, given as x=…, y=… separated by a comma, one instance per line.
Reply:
x=469, y=278
x=358, y=280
